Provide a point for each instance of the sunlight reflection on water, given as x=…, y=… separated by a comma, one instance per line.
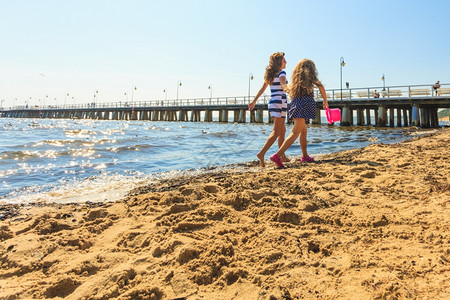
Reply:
x=83, y=157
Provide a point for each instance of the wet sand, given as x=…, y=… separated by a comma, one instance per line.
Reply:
x=371, y=223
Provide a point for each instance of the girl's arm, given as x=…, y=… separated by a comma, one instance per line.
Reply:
x=252, y=104
x=323, y=93
x=283, y=82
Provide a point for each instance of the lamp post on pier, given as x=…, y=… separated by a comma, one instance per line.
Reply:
x=95, y=98
x=65, y=97
x=165, y=94
x=178, y=85
x=125, y=98
x=132, y=95
x=210, y=93
x=250, y=77
x=383, y=78
x=342, y=64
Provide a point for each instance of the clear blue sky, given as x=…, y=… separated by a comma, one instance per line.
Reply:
x=111, y=46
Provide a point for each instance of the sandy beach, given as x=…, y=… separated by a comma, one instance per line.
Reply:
x=371, y=223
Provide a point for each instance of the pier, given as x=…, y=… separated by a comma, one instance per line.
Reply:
x=394, y=106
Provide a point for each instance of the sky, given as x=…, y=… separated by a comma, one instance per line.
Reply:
x=51, y=48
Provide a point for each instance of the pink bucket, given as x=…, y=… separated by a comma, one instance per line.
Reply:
x=333, y=115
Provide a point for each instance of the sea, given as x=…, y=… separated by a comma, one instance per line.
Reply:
x=70, y=160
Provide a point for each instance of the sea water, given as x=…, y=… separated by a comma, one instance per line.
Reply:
x=64, y=160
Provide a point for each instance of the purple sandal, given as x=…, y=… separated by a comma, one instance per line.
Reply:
x=307, y=159
x=277, y=160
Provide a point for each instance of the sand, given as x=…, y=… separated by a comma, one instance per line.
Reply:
x=371, y=223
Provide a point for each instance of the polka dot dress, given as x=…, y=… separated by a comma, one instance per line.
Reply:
x=303, y=107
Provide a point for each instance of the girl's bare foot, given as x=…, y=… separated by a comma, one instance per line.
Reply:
x=285, y=159
x=261, y=159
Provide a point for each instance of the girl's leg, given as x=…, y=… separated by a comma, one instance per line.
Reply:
x=281, y=131
x=299, y=125
x=302, y=139
x=281, y=136
x=278, y=130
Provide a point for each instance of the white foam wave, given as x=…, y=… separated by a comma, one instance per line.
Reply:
x=102, y=188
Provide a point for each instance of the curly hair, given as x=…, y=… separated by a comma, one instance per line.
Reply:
x=274, y=67
x=304, y=77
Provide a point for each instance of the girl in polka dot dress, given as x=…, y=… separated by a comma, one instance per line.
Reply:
x=302, y=107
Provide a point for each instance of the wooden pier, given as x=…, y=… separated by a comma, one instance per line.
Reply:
x=396, y=107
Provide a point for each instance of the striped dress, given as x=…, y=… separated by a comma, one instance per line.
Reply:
x=278, y=98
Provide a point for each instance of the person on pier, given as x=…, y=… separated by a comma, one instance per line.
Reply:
x=436, y=87
x=275, y=77
x=376, y=94
x=302, y=108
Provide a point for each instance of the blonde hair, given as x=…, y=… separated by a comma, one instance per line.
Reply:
x=274, y=67
x=304, y=77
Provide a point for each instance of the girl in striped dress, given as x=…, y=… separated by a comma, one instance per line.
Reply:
x=275, y=76
x=302, y=107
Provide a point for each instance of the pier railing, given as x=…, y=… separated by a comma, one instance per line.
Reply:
x=391, y=92
x=377, y=92
x=217, y=101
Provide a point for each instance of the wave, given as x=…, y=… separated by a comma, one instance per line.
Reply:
x=104, y=187
x=63, y=155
